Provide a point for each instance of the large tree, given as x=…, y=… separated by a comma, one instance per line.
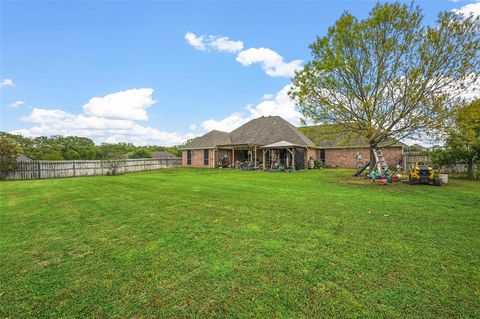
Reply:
x=389, y=76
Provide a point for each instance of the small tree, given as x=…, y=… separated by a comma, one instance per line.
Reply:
x=463, y=140
x=9, y=152
x=388, y=76
x=113, y=157
x=442, y=158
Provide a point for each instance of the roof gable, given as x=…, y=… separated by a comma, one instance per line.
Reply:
x=267, y=130
x=209, y=140
x=163, y=154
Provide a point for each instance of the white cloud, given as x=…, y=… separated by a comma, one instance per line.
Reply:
x=130, y=104
x=16, y=104
x=272, y=62
x=196, y=42
x=192, y=127
x=280, y=105
x=473, y=91
x=267, y=96
x=6, y=82
x=213, y=42
x=45, y=116
x=468, y=9
x=102, y=122
x=102, y=130
x=227, y=124
x=225, y=44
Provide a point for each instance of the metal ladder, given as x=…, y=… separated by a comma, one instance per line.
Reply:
x=381, y=163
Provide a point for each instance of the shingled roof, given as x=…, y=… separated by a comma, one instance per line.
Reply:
x=267, y=130
x=163, y=154
x=260, y=131
x=210, y=140
x=332, y=136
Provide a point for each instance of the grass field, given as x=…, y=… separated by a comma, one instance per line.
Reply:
x=228, y=244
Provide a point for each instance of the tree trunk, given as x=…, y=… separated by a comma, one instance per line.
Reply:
x=372, y=158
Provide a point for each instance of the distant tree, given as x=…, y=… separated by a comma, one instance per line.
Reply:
x=110, y=150
x=9, y=152
x=81, y=148
x=389, y=76
x=75, y=147
x=140, y=152
x=24, y=143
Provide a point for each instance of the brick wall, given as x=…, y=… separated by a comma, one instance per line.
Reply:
x=197, y=158
x=345, y=157
x=312, y=152
x=339, y=157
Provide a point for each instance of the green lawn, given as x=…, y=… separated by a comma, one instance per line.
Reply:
x=228, y=244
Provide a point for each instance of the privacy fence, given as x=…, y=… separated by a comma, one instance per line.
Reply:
x=59, y=169
x=409, y=159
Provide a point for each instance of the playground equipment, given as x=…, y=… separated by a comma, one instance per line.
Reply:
x=381, y=174
x=361, y=169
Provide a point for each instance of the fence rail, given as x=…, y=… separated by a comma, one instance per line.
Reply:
x=409, y=159
x=73, y=168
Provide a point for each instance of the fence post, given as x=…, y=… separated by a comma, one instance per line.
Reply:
x=39, y=172
x=73, y=168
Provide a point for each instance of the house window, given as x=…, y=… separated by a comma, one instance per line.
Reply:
x=189, y=157
x=205, y=157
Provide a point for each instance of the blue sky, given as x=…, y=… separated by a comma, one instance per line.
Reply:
x=157, y=72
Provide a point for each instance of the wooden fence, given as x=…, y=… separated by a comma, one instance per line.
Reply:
x=59, y=169
x=409, y=159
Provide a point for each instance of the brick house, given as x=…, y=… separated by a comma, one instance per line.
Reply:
x=269, y=142
x=337, y=149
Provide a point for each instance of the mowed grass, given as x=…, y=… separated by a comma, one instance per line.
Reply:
x=228, y=244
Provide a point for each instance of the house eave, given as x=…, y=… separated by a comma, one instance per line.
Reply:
x=354, y=146
x=197, y=148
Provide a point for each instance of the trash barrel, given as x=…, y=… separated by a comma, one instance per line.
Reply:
x=443, y=178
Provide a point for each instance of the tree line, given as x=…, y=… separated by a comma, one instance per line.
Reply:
x=77, y=148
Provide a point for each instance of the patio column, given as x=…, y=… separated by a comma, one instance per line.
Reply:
x=293, y=159
x=255, y=157
x=233, y=157
x=264, y=160
x=270, y=163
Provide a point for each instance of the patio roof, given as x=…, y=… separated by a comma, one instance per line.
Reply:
x=281, y=144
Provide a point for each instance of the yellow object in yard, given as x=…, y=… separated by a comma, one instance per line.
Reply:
x=422, y=174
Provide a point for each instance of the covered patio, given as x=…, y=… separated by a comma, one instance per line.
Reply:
x=283, y=155
x=243, y=156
